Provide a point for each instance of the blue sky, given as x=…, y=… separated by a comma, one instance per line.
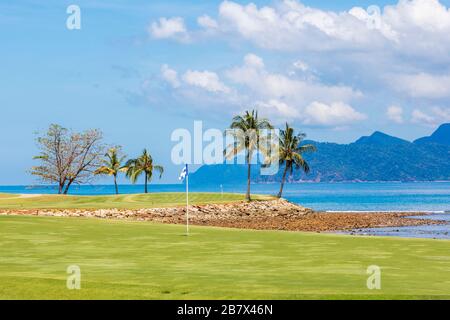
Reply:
x=140, y=69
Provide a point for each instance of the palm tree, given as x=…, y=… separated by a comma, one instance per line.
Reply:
x=291, y=153
x=250, y=125
x=111, y=165
x=143, y=165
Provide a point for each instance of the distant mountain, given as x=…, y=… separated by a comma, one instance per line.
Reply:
x=378, y=157
x=382, y=139
x=441, y=136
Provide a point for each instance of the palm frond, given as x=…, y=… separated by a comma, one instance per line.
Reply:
x=160, y=169
x=104, y=171
x=291, y=150
x=249, y=141
x=134, y=174
x=233, y=151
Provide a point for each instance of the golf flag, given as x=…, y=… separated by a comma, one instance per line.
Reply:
x=183, y=173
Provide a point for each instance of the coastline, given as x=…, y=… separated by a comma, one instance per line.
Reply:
x=395, y=197
x=256, y=215
x=409, y=212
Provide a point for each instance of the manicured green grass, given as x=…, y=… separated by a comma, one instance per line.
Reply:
x=129, y=201
x=141, y=260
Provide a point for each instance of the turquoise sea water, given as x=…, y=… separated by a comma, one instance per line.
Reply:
x=430, y=232
x=423, y=196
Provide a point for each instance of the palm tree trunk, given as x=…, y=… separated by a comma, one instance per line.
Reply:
x=115, y=184
x=146, y=179
x=247, y=196
x=283, y=179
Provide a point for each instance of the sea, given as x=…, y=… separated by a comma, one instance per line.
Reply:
x=432, y=197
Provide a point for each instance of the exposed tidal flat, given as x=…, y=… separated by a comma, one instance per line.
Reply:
x=430, y=231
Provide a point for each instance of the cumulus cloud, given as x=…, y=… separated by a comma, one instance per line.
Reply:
x=206, y=80
x=252, y=60
x=172, y=28
x=417, y=16
x=277, y=96
x=397, y=52
x=268, y=85
x=291, y=25
x=395, y=113
x=435, y=117
x=419, y=25
x=207, y=22
x=423, y=85
x=442, y=113
x=334, y=114
x=411, y=35
x=170, y=75
x=300, y=65
x=278, y=111
x=422, y=118
x=374, y=21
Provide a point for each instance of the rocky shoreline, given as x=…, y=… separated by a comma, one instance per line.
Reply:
x=258, y=215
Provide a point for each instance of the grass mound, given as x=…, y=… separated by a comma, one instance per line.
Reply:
x=129, y=201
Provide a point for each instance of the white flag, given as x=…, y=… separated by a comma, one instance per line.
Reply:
x=183, y=173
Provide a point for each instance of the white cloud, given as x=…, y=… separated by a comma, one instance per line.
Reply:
x=278, y=111
x=286, y=99
x=277, y=96
x=334, y=114
x=397, y=52
x=252, y=60
x=421, y=27
x=206, y=80
x=418, y=15
x=438, y=116
x=300, y=65
x=288, y=26
x=207, y=22
x=293, y=26
x=266, y=85
x=172, y=28
x=374, y=21
x=443, y=114
x=422, y=85
x=421, y=117
x=395, y=114
x=170, y=75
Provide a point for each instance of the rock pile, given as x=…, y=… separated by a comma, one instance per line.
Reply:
x=197, y=213
x=260, y=215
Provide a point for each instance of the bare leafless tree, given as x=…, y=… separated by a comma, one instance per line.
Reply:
x=68, y=157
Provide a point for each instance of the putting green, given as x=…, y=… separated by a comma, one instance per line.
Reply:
x=140, y=260
x=129, y=201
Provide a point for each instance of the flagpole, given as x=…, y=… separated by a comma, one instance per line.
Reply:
x=187, y=201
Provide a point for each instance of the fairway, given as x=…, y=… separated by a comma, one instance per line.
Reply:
x=140, y=260
x=129, y=201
